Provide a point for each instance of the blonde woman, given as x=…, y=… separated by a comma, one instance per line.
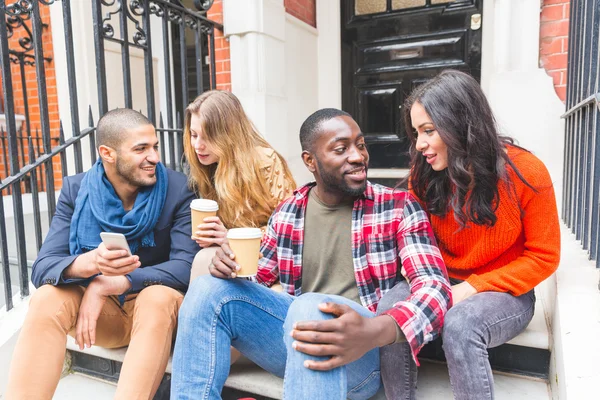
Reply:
x=232, y=164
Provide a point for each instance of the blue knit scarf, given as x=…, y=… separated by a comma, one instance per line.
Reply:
x=99, y=209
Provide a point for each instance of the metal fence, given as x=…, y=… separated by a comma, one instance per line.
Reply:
x=582, y=147
x=188, y=63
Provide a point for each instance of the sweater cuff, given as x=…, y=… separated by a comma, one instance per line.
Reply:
x=479, y=284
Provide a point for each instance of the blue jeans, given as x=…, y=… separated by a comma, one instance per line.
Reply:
x=482, y=321
x=218, y=313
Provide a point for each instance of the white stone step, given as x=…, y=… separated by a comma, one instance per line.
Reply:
x=433, y=385
x=77, y=387
x=536, y=334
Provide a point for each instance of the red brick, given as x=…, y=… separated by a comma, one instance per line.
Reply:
x=551, y=46
x=557, y=77
x=552, y=13
x=554, y=61
x=561, y=91
x=554, y=28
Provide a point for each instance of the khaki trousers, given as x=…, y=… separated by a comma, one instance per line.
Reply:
x=145, y=323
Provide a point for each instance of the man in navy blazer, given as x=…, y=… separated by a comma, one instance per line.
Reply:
x=108, y=297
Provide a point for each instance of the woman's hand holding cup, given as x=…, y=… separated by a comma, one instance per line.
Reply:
x=210, y=233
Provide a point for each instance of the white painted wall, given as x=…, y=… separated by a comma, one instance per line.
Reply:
x=302, y=84
x=273, y=72
x=522, y=95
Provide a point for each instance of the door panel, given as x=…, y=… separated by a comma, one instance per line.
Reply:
x=389, y=47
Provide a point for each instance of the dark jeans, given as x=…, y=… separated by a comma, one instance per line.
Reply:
x=482, y=321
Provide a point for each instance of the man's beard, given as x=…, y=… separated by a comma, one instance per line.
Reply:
x=340, y=185
x=127, y=172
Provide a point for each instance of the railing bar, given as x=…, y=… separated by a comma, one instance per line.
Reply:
x=594, y=190
x=125, y=57
x=45, y=158
x=579, y=166
x=4, y=153
x=74, y=104
x=566, y=171
x=196, y=15
x=92, y=138
x=121, y=42
x=179, y=163
x=63, y=154
x=595, y=98
x=4, y=242
x=25, y=96
x=100, y=62
x=40, y=70
x=12, y=144
x=20, y=236
x=148, y=63
x=20, y=141
x=183, y=59
x=585, y=209
x=573, y=194
x=36, y=201
x=161, y=134
x=168, y=88
x=213, y=72
x=199, y=61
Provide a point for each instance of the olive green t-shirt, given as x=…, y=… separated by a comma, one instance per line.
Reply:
x=327, y=265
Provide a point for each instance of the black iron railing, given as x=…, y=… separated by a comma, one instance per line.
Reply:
x=187, y=41
x=582, y=132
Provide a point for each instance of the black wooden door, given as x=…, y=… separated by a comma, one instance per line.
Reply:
x=389, y=47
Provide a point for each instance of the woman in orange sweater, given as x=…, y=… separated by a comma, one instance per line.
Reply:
x=493, y=210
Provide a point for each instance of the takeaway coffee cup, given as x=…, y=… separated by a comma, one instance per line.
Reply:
x=202, y=208
x=245, y=244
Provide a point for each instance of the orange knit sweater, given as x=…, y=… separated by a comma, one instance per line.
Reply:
x=520, y=250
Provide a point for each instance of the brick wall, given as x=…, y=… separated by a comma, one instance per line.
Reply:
x=304, y=10
x=33, y=97
x=554, y=42
x=222, y=57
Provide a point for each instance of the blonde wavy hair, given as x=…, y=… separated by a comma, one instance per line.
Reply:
x=237, y=180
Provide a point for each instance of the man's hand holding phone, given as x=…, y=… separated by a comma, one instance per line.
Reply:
x=113, y=257
x=115, y=262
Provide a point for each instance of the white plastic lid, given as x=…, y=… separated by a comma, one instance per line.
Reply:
x=244, y=233
x=204, y=205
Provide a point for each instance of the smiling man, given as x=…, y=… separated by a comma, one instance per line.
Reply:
x=360, y=271
x=107, y=297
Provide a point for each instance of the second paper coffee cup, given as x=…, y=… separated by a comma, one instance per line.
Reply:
x=245, y=244
x=202, y=208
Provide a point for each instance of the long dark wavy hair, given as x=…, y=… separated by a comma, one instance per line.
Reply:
x=477, y=159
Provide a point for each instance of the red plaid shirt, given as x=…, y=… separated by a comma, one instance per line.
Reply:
x=390, y=231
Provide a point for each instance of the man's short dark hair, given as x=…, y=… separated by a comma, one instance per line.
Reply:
x=112, y=126
x=312, y=126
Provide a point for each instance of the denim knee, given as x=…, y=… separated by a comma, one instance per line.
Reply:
x=461, y=329
x=205, y=292
x=305, y=308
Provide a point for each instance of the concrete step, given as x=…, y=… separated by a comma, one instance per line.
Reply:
x=433, y=385
x=527, y=355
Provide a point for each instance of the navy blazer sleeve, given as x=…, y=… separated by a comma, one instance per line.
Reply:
x=175, y=272
x=54, y=256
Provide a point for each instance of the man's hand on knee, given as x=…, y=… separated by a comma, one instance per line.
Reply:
x=344, y=339
x=92, y=303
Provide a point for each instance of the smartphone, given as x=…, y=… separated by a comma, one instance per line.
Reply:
x=115, y=241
